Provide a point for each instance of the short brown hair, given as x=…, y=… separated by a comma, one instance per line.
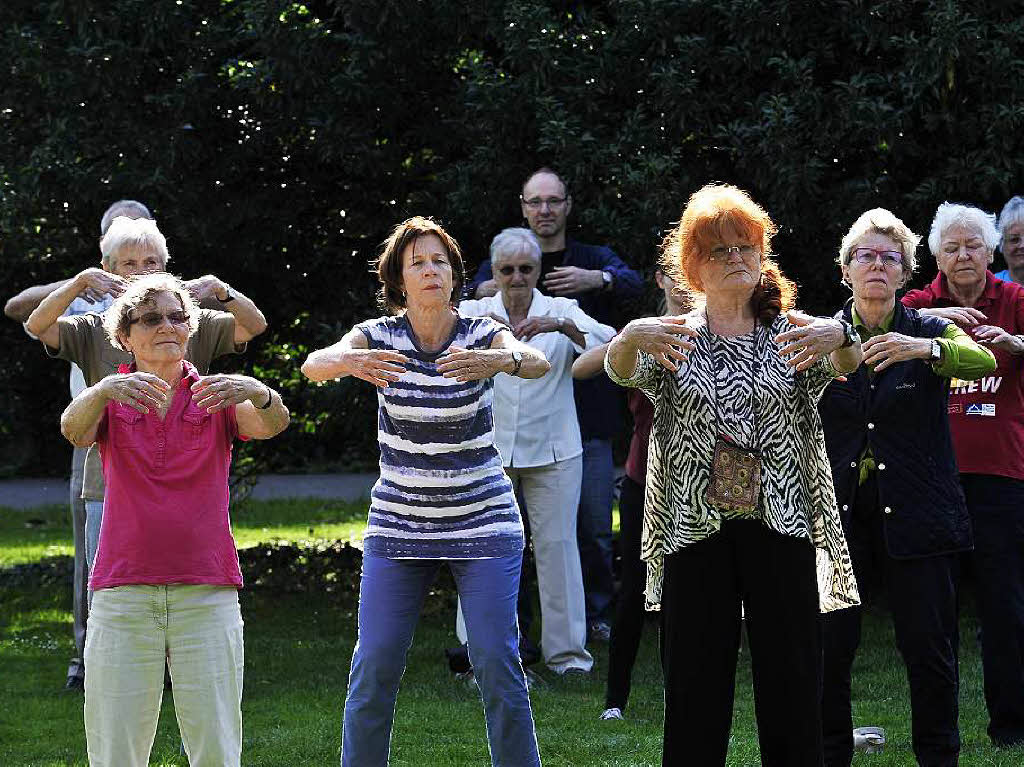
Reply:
x=710, y=211
x=389, y=264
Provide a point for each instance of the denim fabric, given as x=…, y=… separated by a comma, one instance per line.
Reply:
x=133, y=630
x=391, y=596
x=80, y=584
x=594, y=527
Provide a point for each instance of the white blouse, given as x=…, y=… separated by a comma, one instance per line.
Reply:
x=535, y=419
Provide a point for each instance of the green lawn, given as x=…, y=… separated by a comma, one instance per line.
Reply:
x=297, y=653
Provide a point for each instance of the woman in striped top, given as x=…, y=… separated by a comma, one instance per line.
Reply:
x=442, y=494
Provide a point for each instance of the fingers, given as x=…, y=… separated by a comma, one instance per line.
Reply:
x=799, y=318
x=804, y=359
x=792, y=335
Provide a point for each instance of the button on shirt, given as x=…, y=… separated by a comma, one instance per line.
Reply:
x=165, y=518
x=535, y=419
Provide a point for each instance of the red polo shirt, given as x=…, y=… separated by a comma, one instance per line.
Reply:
x=987, y=415
x=165, y=517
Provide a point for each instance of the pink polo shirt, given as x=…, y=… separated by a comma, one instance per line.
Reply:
x=165, y=518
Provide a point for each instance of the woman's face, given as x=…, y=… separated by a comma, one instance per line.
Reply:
x=963, y=256
x=732, y=265
x=426, y=272
x=516, y=274
x=673, y=300
x=158, y=332
x=875, y=270
x=1013, y=246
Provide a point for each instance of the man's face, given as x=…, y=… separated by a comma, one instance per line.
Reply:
x=545, y=205
x=128, y=261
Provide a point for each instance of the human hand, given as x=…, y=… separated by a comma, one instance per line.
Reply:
x=378, y=366
x=217, y=392
x=140, y=391
x=205, y=287
x=95, y=283
x=812, y=339
x=472, y=364
x=890, y=348
x=662, y=338
x=963, y=316
x=993, y=335
x=486, y=289
x=570, y=280
x=533, y=326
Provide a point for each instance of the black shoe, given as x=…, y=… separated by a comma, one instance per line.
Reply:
x=75, y=684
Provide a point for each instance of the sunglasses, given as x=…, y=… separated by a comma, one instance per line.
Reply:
x=153, y=319
x=524, y=269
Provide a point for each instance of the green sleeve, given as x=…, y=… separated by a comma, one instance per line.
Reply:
x=214, y=338
x=962, y=357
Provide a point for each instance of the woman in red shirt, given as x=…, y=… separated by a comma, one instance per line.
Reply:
x=166, y=574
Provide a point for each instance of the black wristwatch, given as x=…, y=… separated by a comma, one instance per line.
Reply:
x=850, y=335
x=517, y=357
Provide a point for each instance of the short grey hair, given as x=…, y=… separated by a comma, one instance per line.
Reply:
x=127, y=232
x=129, y=208
x=513, y=240
x=1012, y=213
x=885, y=222
x=952, y=214
x=141, y=290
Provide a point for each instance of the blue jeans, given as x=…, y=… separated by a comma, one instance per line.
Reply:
x=594, y=527
x=391, y=596
x=93, y=520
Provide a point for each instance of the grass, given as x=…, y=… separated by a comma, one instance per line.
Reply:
x=298, y=648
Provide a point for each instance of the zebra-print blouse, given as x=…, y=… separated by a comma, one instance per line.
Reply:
x=797, y=496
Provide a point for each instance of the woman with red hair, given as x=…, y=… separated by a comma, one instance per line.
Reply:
x=740, y=515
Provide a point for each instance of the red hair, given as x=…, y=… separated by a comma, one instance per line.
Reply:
x=719, y=213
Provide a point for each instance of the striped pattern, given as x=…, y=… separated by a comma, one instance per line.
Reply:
x=442, y=492
x=797, y=496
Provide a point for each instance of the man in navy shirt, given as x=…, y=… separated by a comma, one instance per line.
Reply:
x=601, y=282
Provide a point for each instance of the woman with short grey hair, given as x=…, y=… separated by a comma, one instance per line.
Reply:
x=538, y=436
x=1011, y=240
x=987, y=421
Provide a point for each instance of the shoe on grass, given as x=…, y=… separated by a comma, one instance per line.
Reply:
x=74, y=684
x=611, y=713
x=870, y=740
x=599, y=631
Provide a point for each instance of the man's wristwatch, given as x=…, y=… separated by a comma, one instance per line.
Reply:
x=228, y=297
x=936, y=354
x=607, y=277
x=561, y=324
x=850, y=335
x=517, y=357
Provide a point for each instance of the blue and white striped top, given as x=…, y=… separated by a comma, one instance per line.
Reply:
x=442, y=492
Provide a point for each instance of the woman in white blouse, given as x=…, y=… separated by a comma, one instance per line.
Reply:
x=538, y=437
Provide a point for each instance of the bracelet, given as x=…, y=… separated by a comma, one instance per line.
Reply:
x=270, y=399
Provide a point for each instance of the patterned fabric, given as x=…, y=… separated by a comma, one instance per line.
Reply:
x=442, y=492
x=797, y=496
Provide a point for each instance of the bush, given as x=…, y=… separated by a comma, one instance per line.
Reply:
x=278, y=142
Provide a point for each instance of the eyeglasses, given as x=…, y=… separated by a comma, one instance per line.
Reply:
x=721, y=252
x=523, y=269
x=870, y=255
x=152, y=319
x=536, y=203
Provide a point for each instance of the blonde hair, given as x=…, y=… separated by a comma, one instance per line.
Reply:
x=134, y=233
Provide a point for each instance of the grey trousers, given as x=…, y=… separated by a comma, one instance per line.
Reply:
x=80, y=585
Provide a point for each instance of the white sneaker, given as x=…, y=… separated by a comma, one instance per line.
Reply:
x=611, y=713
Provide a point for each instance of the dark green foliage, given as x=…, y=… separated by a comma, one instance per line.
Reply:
x=278, y=142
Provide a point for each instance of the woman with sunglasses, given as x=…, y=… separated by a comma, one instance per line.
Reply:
x=166, y=574
x=538, y=436
x=888, y=438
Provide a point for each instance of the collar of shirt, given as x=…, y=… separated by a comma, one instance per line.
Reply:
x=944, y=297
x=189, y=373
x=864, y=331
x=540, y=305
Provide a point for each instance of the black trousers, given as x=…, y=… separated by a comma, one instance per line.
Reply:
x=773, y=577
x=996, y=505
x=629, y=612
x=923, y=599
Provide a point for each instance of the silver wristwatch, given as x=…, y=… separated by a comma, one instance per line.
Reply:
x=936, y=356
x=850, y=335
x=517, y=357
x=607, y=277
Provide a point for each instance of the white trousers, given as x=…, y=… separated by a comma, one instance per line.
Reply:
x=551, y=494
x=133, y=630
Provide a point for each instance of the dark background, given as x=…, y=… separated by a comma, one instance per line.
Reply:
x=278, y=142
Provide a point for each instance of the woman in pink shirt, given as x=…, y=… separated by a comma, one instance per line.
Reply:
x=166, y=574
